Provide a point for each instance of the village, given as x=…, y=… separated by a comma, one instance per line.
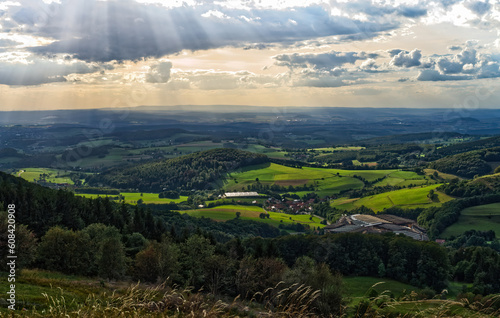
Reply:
x=356, y=223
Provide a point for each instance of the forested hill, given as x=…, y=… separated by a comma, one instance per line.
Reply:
x=469, y=146
x=199, y=170
x=469, y=164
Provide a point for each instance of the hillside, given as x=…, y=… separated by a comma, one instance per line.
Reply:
x=470, y=146
x=468, y=164
x=201, y=170
x=492, y=181
x=404, y=198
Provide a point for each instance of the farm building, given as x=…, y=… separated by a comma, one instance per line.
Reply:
x=240, y=194
x=379, y=224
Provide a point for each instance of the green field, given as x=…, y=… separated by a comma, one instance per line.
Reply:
x=271, y=152
x=442, y=175
x=403, y=178
x=404, y=198
x=326, y=181
x=482, y=218
x=228, y=212
x=429, y=308
x=226, y=201
x=359, y=286
x=133, y=197
x=55, y=176
x=359, y=163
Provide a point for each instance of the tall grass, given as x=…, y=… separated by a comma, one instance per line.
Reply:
x=281, y=301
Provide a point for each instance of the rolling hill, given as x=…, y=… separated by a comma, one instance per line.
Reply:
x=469, y=164
x=201, y=170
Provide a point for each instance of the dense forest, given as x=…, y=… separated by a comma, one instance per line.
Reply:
x=201, y=170
x=41, y=208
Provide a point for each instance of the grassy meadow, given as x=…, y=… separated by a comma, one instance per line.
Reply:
x=358, y=287
x=482, y=218
x=404, y=198
x=54, y=175
x=133, y=197
x=228, y=212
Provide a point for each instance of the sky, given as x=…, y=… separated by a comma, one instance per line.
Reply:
x=70, y=54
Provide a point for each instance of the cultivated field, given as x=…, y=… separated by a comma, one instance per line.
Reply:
x=325, y=181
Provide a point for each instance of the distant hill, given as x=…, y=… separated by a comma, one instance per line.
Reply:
x=409, y=138
x=200, y=170
x=147, y=134
x=468, y=164
x=469, y=146
x=9, y=152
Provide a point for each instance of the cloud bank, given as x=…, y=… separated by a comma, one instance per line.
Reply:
x=103, y=31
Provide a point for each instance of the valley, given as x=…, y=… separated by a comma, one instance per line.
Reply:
x=366, y=210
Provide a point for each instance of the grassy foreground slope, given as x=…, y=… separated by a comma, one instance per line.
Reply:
x=51, y=294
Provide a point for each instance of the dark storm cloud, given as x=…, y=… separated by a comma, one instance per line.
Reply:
x=94, y=30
